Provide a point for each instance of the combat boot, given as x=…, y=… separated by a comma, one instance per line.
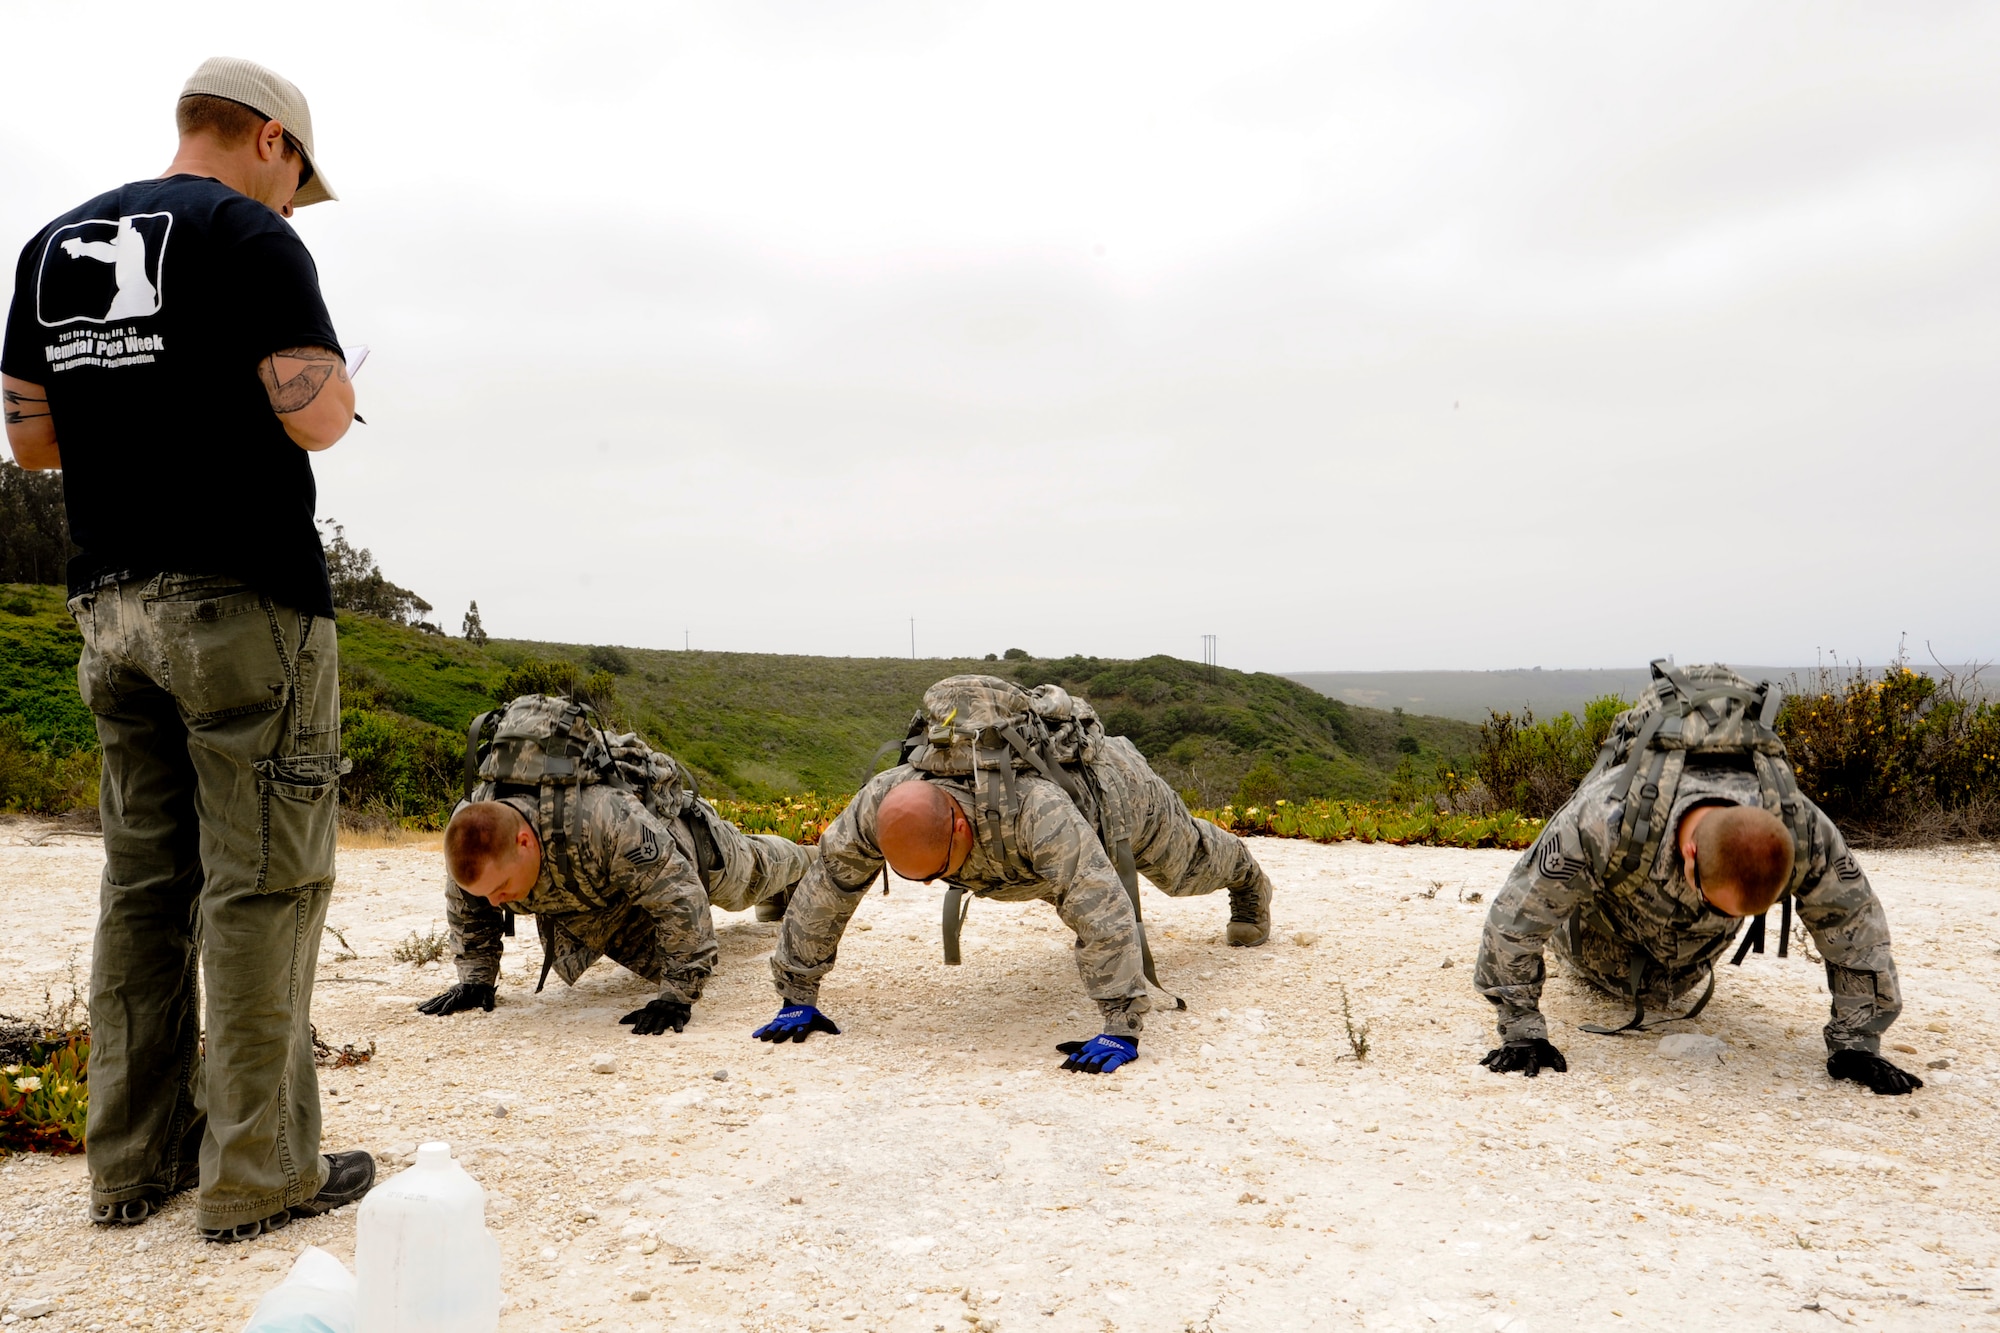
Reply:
x=1250, y=912
x=773, y=908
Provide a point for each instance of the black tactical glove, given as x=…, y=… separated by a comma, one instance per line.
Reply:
x=459, y=997
x=1882, y=1078
x=1529, y=1057
x=657, y=1017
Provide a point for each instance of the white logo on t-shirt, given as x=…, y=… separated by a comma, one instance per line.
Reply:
x=99, y=271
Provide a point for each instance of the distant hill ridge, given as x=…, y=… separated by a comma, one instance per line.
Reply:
x=1467, y=695
x=756, y=725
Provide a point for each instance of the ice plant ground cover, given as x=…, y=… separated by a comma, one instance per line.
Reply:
x=44, y=1098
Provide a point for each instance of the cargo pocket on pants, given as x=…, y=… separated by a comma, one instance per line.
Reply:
x=299, y=808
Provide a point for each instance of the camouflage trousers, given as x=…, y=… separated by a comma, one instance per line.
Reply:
x=755, y=866
x=1604, y=961
x=218, y=713
x=1185, y=857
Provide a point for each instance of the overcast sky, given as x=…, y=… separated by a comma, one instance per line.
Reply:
x=1361, y=336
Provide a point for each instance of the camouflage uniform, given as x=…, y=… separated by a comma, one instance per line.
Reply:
x=1059, y=860
x=636, y=896
x=1549, y=898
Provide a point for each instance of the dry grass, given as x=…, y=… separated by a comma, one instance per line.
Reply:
x=375, y=839
x=422, y=950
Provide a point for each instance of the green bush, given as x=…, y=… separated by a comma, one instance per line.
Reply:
x=404, y=771
x=1533, y=767
x=599, y=689
x=41, y=780
x=1900, y=758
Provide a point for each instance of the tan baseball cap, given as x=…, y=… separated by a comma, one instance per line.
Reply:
x=271, y=97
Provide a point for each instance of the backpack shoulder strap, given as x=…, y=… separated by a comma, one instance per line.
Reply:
x=473, y=734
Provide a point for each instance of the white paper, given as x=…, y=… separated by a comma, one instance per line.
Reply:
x=355, y=356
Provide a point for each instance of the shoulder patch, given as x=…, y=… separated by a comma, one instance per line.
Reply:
x=1847, y=867
x=1557, y=864
x=648, y=850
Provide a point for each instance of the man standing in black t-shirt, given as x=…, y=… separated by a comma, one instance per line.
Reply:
x=168, y=349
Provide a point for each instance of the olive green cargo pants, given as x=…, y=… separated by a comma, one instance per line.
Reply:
x=218, y=713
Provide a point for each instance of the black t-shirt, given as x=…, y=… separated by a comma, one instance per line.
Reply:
x=144, y=314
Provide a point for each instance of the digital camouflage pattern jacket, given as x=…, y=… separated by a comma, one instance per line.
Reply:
x=1660, y=912
x=1058, y=859
x=635, y=897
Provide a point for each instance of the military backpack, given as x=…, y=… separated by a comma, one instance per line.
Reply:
x=991, y=731
x=1711, y=715
x=547, y=748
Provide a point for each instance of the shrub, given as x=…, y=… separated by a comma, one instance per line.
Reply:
x=1899, y=758
x=421, y=950
x=1262, y=785
x=607, y=658
x=41, y=780
x=599, y=689
x=403, y=770
x=1533, y=767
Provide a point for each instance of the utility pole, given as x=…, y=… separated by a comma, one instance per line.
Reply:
x=1209, y=654
x=913, y=638
x=687, y=640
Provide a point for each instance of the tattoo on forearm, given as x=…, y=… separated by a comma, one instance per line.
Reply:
x=23, y=407
x=318, y=365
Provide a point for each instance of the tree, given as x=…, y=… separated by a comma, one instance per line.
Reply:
x=34, y=532
x=359, y=584
x=475, y=633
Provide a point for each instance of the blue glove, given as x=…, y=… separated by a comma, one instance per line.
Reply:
x=1100, y=1055
x=795, y=1022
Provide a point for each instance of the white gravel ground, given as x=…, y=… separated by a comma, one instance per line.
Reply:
x=930, y=1169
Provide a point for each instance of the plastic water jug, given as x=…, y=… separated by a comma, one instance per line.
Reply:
x=423, y=1257
x=317, y=1296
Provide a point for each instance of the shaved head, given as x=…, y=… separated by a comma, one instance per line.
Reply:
x=921, y=831
x=480, y=835
x=1743, y=855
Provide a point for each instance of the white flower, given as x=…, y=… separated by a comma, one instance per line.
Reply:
x=29, y=1084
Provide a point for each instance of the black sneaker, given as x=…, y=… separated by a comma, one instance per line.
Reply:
x=349, y=1175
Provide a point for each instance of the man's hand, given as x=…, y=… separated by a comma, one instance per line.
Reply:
x=657, y=1017
x=465, y=996
x=309, y=390
x=1529, y=1057
x=1881, y=1077
x=1100, y=1055
x=795, y=1022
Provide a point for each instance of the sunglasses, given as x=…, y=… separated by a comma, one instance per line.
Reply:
x=305, y=162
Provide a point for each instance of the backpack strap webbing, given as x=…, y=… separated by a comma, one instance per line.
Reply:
x=546, y=929
x=558, y=850
x=707, y=854
x=472, y=734
x=957, y=902
x=1635, y=984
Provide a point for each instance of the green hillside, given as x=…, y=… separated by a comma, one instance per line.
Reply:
x=754, y=725
x=38, y=651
